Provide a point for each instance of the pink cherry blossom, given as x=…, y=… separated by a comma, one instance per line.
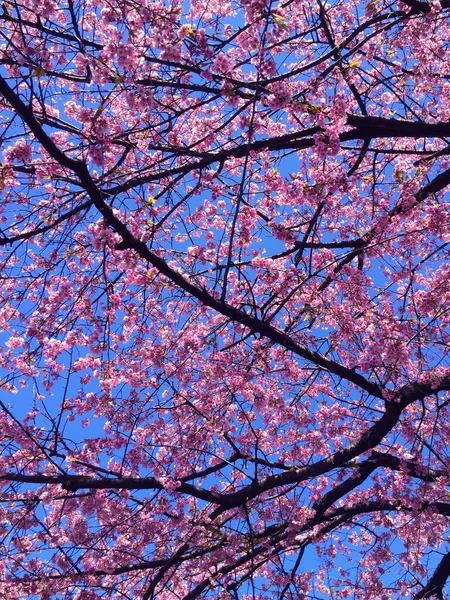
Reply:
x=224, y=300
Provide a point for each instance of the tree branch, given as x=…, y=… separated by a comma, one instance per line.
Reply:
x=437, y=581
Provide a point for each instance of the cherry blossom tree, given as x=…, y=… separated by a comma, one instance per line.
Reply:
x=225, y=299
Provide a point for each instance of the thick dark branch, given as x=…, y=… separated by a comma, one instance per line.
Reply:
x=192, y=87
x=364, y=471
x=437, y=581
x=423, y=7
x=210, y=470
x=437, y=184
x=73, y=483
x=27, y=114
x=379, y=459
x=173, y=560
x=376, y=460
x=381, y=127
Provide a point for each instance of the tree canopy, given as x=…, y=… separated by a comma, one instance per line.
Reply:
x=224, y=299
